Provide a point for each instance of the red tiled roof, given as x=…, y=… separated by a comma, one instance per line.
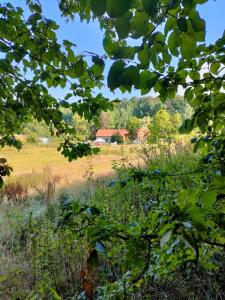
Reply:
x=111, y=132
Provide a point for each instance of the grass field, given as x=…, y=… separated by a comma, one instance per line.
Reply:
x=36, y=158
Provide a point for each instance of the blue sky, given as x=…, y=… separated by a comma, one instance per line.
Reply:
x=88, y=37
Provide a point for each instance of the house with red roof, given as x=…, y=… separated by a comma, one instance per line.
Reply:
x=107, y=134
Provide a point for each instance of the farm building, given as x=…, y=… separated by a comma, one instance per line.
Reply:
x=107, y=134
x=44, y=140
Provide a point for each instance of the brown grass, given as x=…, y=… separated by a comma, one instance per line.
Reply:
x=36, y=166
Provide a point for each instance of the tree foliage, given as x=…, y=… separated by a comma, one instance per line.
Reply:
x=132, y=126
x=141, y=108
x=32, y=61
x=39, y=129
x=81, y=128
x=164, y=126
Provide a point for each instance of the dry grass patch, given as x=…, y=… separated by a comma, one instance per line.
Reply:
x=42, y=170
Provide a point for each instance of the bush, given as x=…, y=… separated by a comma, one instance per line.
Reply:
x=16, y=192
x=31, y=136
x=117, y=138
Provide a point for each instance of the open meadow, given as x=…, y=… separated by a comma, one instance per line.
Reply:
x=35, y=165
x=35, y=158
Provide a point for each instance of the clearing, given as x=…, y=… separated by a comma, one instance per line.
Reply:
x=37, y=158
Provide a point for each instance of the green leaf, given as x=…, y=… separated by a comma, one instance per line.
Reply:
x=173, y=4
x=67, y=43
x=182, y=24
x=98, y=66
x=97, y=60
x=123, y=25
x=197, y=22
x=147, y=81
x=110, y=46
x=4, y=47
x=215, y=67
x=5, y=65
x=188, y=46
x=68, y=96
x=197, y=218
x=144, y=56
x=165, y=238
x=98, y=7
x=150, y=6
x=188, y=4
x=160, y=38
x=154, y=56
x=35, y=7
x=194, y=75
x=208, y=199
x=170, y=25
x=116, y=8
x=139, y=24
x=166, y=56
x=71, y=56
x=114, y=75
x=131, y=77
x=78, y=68
x=174, y=42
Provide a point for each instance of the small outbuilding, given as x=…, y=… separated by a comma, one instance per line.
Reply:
x=44, y=140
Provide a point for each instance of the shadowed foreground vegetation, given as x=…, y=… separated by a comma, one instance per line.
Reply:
x=55, y=245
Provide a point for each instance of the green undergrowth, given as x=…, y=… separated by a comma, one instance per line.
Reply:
x=145, y=234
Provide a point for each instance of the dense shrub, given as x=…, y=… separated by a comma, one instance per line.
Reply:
x=117, y=138
x=151, y=226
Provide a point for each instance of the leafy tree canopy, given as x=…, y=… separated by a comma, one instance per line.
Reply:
x=142, y=108
x=164, y=125
x=32, y=61
x=132, y=126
